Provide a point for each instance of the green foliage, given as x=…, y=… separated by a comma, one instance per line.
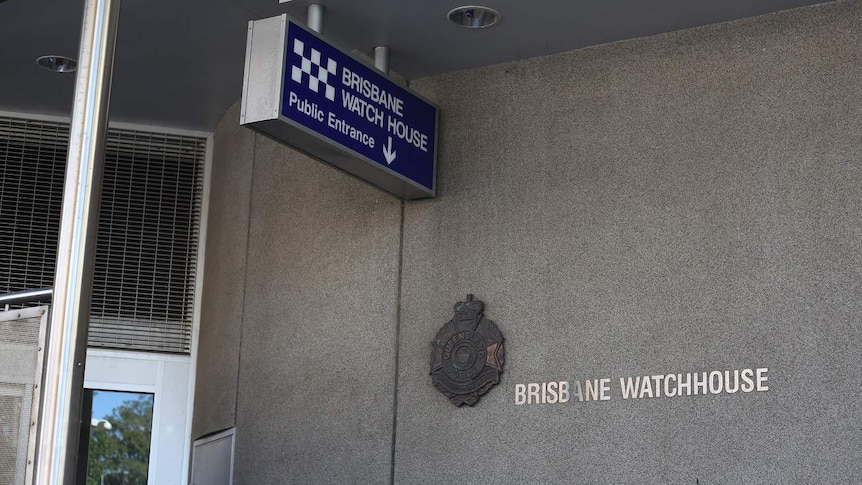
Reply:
x=123, y=452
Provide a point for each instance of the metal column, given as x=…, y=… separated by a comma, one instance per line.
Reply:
x=67, y=339
x=315, y=17
x=381, y=59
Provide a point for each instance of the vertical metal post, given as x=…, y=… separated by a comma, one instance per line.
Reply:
x=56, y=457
x=315, y=17
x=381, y=59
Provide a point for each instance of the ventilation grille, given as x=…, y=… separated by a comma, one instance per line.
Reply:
x=146, y=250
x=32, y=160
x=19, y=373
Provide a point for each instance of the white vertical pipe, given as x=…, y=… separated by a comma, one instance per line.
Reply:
x=315, y=17
x=56, y=458
x=381, y=58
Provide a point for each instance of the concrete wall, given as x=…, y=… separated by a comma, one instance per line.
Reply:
x=680, y=203
x=299, y=360
x=224, y=277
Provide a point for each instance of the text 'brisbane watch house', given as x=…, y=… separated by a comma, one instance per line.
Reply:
x=302, y=91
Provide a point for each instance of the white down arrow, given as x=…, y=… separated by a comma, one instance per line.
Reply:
x=388, y=152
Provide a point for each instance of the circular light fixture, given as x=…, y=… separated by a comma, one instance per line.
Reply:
x=57, y=63
x=474, y=17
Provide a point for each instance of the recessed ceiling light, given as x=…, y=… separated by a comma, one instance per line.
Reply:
x=474, y=17
x=57, y=63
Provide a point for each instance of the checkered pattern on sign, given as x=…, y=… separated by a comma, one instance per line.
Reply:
x=313, y=68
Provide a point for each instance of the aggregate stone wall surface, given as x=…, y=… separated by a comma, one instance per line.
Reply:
x=681, y=203
x=686, y=202
x=299, y=315
x=224, y=277
x=316, y=377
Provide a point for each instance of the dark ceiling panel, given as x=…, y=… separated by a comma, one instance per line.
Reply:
x=179, y=63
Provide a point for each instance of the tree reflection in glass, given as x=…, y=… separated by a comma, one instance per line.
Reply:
x=119, y=445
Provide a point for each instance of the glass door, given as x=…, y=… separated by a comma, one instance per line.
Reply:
x=116, y=437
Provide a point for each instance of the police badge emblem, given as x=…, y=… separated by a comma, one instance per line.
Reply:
x=467, y=354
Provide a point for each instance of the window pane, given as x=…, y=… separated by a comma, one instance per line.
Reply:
x=120, y=434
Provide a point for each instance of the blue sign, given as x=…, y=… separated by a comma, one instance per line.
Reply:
x=338, y=98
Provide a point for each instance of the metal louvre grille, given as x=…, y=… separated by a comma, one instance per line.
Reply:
x=146, y=250
x=148, y=237
x=19, y=372
x=32, y=161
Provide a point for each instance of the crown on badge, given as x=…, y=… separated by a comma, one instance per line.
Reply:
x=469, y=309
